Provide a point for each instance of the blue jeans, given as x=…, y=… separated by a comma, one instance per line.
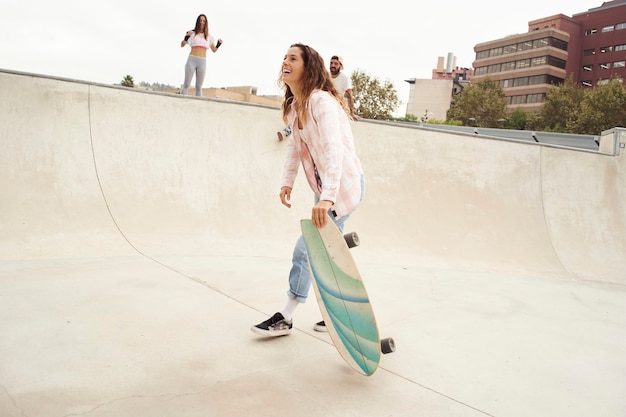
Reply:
x=300, y=276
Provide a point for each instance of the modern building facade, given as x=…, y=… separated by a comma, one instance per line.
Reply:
x=430, y=98
x=603, y=44
x=590, y=46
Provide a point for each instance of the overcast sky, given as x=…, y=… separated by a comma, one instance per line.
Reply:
x=102, y=41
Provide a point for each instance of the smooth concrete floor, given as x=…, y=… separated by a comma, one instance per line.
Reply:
x=129, y=336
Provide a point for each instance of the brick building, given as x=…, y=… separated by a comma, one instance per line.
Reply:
x=590, y=46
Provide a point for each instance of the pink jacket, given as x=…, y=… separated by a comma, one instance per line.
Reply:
x=325, y=143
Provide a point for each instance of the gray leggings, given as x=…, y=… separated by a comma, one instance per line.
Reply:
x=198, y=65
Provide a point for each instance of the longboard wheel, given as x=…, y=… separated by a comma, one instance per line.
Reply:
x=352, y=239
x=387, y=345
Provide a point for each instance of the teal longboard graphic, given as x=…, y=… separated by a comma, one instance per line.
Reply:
x=342, y=297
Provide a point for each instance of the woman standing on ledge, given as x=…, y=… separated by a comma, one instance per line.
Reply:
x=200, y=40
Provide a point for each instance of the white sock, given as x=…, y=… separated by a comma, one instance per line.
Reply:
x=289, y=308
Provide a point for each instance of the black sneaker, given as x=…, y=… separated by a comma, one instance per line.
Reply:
x=274, y=326
x=320, y=326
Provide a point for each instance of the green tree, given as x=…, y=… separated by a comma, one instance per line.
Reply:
x=517, y=119
x=481, y=104
x=602, y=108
x=560, y=109
x=373, y=99
x=128, y=81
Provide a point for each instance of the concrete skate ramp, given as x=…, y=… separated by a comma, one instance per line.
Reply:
x=141, y=235
x=89, y=170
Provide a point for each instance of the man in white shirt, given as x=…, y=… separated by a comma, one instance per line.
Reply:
x=342, y=82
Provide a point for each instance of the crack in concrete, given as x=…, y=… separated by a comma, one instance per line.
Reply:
x=17, y=407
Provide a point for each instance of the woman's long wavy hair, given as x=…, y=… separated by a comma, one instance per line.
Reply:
x=197, y=30
x=315, y=77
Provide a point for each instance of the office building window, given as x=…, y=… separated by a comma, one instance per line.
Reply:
x=533, y=80
x=537, y=79
x=590, y=32
x=608, y=29
x=588, y=52
x=619, y=64
x=557, y=43
x=586, y=84
x=495, y=52
x=520, y=64
x=588, y=67
x=602, y=81
x=605, y=49
x=510, y=49
x=480, y=71
x=605, y=65
x=540, y=60
x=518, y=99
x=620, y=26
x=556, y=62
x=519, y=82
x=508, y=66
x=493, y=68
x=524, y=46
x=535, y=98
x=620, y=48
x=555, y=80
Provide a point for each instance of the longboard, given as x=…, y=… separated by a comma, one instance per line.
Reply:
x=342, y=298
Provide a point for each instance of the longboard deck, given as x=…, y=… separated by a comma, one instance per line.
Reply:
x=342, y=297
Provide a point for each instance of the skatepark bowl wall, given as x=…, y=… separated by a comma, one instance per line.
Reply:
x=92, y=170
x=141, y=235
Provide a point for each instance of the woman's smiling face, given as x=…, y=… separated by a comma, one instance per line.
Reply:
x=293, y=66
